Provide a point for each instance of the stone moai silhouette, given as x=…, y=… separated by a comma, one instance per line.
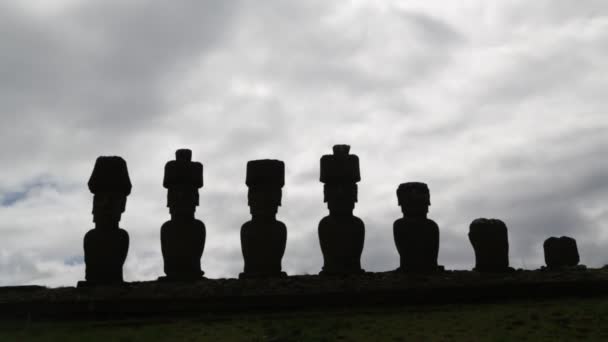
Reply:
x=490, y=241
x=183, y=237
x=416, y=236
x=561, y=252
x=263, y=238
x=341, y=234
x=106, y=245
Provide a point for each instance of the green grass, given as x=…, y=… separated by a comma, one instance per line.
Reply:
x=555, y=320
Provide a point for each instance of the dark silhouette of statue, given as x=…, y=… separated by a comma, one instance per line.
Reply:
x=561, y=252
x=341, y=234
x=183, y=237
x=416, y=236
x=263, y=238
x=490, y=241
x=106, y=245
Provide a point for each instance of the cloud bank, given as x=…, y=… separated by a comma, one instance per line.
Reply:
x=498, y=106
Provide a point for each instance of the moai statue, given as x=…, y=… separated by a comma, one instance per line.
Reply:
x=490, y=241
x=416, y=236
x=106, y=245
x=561, y=252
x=263, y=238
x=341, y=234
x=183, y=237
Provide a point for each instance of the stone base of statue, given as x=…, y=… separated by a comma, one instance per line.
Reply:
x=88, y=284
x=508, y=269
x=181, y=278
x=332, y=273
x=566, y=268
x=426, y=270
x=252, y=275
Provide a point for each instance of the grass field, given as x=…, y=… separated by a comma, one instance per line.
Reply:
x=555, y=320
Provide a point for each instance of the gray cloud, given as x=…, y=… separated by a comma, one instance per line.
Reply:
x=499, y=108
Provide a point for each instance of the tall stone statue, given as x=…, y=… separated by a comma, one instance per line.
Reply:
x=106, y=245
x=183, y=237
x=341, y=234
x=416, y=236
x=263, y=238
x=490, y=241
x=561, y=252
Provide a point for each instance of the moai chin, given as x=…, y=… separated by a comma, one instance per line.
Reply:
x=341, y=234
x=490, y=241
x=561, y=252
x=263, y=238
x=183, y=237
x=106, y=245
x=416, y=236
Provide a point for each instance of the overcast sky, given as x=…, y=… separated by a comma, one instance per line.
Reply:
x=501, y=107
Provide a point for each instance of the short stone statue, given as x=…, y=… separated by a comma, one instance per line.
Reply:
x=106, y=245
x=341, y=234
x=561, y=252
x=416, y=236
x=183, y=237
x=263, y=238
x=490, y=241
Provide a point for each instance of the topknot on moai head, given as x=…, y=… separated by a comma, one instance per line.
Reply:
x=183, y=172
x=265, y=173
x=413, y=193
x=340, y=167
x=110, y=175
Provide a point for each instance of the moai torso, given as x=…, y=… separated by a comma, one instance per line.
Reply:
x=341, y=239
x=106, y=246
x=183, y=237
x=263, y=238
x=490, y=241
x=263, y=246
x=417, y=242
x=416, y=236
x=341, y=234
x=182, y=245
x=105, y=252
x=561, y=252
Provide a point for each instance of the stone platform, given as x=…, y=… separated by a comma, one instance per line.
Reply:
x=212, y=296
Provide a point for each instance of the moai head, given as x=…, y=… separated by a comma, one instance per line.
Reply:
x=183, y=178
x=340, y=174
x=265, y=179
x=490, y=241
x=414, y=199
x=110, y=185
